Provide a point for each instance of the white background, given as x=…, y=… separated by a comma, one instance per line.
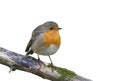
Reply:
x=90, y=35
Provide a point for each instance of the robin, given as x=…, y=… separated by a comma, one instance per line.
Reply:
x=45, y=40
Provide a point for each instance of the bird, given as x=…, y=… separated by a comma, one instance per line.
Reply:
x=45, y=40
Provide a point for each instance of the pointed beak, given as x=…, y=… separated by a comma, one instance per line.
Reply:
x=56, y=28
x=59, y=28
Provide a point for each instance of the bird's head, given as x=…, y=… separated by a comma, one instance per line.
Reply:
x=51, y=25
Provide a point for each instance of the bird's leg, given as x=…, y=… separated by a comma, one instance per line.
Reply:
x=39, y=60
x=51, y=62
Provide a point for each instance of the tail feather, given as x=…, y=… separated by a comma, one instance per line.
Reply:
x=30, y=52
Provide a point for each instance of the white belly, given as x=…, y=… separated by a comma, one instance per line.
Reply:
x=46, y=50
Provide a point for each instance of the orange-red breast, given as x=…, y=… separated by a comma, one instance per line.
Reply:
x=45, y=40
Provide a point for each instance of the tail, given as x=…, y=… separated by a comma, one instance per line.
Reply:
x=30, y=52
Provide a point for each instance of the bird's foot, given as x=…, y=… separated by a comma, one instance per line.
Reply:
x=52, y=67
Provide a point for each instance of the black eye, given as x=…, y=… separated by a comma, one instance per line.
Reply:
x=51, y=28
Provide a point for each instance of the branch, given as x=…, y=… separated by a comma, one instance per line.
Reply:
x=31, y=65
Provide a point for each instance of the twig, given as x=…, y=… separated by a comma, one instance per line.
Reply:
x=31, y=65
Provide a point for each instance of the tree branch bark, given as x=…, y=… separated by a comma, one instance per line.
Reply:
x=31, y=65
